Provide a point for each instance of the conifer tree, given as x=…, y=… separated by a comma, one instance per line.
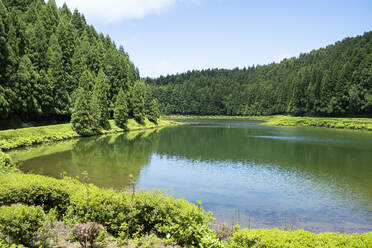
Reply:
x=82, y=119
x=26, y=79
x=57, y=77
x=137, y=101
x=154, y=113
x=121, y=112
x=100, y=103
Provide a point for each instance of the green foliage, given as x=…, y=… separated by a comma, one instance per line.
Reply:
x=275, y=238
x=121, y=112
x=5, y=159
x=342, y=123
x=4, y=244
x=15, y=138
x=124, y=214
x=100, y=101
x=43, y=52
x=82, y=119
x=137, y=101
x=331, y=81
x=6, y=164
x=154, y=112
x=21, y=223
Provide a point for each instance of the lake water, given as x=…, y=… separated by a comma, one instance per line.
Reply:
x=242, y=171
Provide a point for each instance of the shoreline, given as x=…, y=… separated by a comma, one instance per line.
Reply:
x=25, y=137
x=359, y=124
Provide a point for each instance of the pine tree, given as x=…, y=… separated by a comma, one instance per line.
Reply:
x=121, y=112
x=4, y=105
x=26, y=79
x=3, y=41
x=100, y=103
x=154, y=113
x=58, y=79
x=137, y=102
x=66, y=38
x=82, y=119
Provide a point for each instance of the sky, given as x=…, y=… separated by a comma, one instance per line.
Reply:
x=173, y=36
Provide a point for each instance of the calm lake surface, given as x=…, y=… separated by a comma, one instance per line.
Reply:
x=242, y=171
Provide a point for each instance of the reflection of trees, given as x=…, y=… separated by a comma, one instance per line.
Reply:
x=342, y=165
x=110, y=159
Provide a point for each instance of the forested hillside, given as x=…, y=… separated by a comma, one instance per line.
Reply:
x=47, y=53
x=331, y=81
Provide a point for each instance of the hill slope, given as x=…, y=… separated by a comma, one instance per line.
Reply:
x=331, y=81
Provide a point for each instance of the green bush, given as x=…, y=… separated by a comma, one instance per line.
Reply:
x=21, y=223
x=5, y=160
x=4, y=244
x=6, y=164
x=124, y=214
x=275, y=238
x=35, y=190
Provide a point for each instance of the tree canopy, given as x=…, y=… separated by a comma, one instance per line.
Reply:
x=44, y=50
x=331, y=81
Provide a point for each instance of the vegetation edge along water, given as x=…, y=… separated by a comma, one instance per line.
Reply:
x=364, y=124
x=16, y=138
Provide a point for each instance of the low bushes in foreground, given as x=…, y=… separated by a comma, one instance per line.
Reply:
x=125, y=215
x=130, y=217
x=26, y=225
x=274, y=238
x=4, y=244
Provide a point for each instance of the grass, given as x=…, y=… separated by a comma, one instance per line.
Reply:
x=328, y=122
x=216, y=117
x=274, y=238
x=15, y=138
x=283, y=120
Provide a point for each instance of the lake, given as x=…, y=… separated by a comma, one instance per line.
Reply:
x=244, y=172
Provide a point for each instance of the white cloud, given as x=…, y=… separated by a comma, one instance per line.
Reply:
x=116, y=10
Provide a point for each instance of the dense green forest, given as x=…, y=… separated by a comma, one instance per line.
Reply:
x=56, y=67
x=331, y=81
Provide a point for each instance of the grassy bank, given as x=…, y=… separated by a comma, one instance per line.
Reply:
x=328, y=122
x=215, y=117
x=15, y=138
x=283, y=120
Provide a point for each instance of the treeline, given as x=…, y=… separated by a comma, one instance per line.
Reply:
x=331, y=81
x=54, y=65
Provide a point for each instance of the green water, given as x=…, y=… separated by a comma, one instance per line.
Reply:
x=258, y=176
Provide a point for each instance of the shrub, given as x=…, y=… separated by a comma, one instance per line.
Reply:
x=87, y=233
x=6, y=165
x=21, y=223
x=124, y=214
x=35, y=190
x=300, y=239
x=5, y=160
x=4, y=244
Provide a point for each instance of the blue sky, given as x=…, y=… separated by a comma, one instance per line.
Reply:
x=170, y=36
